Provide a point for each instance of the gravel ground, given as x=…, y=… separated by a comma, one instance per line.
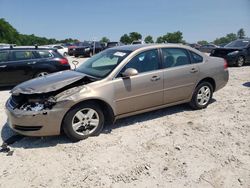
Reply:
x=172, y=147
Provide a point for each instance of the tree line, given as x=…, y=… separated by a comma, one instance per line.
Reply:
x=10, y=35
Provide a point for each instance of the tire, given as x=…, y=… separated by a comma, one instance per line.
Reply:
x=65, y=54
x=40, y=74
x=240, y=61
x=77, y=123
x=202, y=96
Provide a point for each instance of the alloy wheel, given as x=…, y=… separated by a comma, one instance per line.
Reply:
x=203, y=95
x=85, y=121
x=42, y=74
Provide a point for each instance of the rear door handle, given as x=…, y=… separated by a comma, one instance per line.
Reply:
x=155, y=78
x=3, y=66
x=32, y=63
x=194, y=70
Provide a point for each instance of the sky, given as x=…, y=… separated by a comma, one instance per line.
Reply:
x=93, y=19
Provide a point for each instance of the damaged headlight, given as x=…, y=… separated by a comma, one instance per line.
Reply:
x=38, y=105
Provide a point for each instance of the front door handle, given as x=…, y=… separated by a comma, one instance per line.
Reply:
x=32, y=63
x=194, y=70
x=3, y=66
x=155, y=78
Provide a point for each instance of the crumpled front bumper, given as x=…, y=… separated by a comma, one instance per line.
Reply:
x=40, y=123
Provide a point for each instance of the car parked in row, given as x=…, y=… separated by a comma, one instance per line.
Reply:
x=60, y=48
x=116, y=83
x=237, y=53
x=207, y=48
x=114, y=44
x=86, y=49
x=18, y=64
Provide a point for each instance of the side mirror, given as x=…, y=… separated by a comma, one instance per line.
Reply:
x=129, y=72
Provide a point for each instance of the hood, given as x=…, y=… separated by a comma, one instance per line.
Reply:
x=228, y=49
x=79, y=47
x=48, y=83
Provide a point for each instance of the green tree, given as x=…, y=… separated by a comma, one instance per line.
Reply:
x=8, y=34
x=134, y=36
x=241, y=33
x=175, y=37
x=159, y=40
x=125, y=39
x=202, y=42
x=224, y=40
x=149, y=39
x=104, y=40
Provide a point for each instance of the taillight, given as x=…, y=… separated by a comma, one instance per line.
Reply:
x=63, y=61
x=225, y=64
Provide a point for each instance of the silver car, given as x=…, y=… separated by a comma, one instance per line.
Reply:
x=113, y=84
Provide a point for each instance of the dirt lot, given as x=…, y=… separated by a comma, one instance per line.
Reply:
x=173, y=147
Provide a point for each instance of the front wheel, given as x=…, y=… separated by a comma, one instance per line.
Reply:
x=83, y=121
x=202, y=96
x=40, y=74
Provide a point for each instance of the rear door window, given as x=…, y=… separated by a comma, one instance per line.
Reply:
x=45, y=54
x=23, y=55
x=144, y=62
x=173, y=57
x=4, y=56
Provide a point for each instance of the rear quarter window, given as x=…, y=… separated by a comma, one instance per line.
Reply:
x=195, y=58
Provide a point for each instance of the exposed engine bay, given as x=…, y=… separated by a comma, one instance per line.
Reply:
x=45, y=101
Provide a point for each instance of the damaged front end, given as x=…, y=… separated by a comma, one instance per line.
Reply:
x=35, y=113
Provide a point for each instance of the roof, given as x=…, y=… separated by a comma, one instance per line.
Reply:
x=141, y=46
x=27, y=48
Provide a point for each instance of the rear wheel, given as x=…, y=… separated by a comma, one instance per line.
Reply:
x=240, y=61
x=83, y=121
x=202, y=96
x=65, y=54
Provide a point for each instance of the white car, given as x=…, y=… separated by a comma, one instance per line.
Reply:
x=61, y=49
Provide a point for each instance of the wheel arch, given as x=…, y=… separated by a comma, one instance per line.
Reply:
x=106, y=108
x=209, y=80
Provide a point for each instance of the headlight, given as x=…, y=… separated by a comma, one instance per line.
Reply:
x=87, y=49
x=233, y=53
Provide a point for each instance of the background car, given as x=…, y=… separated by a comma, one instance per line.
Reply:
x=207, y=48
x=60, y=48
x=236, y=53
x=138, y=42
x=113, y=44
x=87, y=48
x=18, y=64
x=195, y=46
x=115, y=83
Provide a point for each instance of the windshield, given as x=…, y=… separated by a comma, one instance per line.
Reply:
x=238, y=43
x=103, y=63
